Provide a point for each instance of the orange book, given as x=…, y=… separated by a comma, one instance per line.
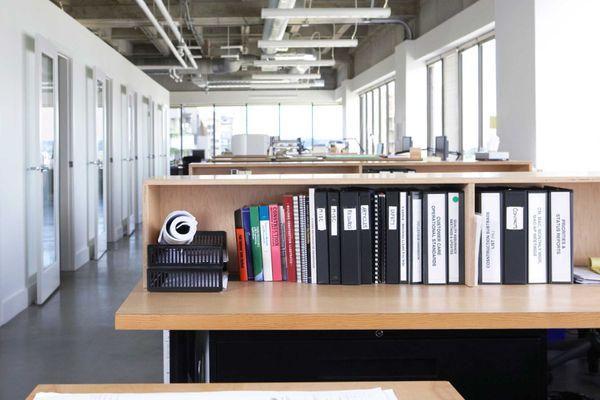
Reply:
x=240, y=239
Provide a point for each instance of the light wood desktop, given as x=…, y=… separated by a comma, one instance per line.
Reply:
x=424, y=390
x=354, y=166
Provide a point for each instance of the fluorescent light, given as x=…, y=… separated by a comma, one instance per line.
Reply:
x=253, y=85
x=239, y=47
x=231, y=56
x=286, y=77
x=294, y=63
x=289, y=56
x=317, y=43
x=316, y=13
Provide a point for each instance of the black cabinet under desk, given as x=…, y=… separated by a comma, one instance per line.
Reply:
x=481, y=364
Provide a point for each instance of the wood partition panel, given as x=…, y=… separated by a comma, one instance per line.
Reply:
x=586, y=210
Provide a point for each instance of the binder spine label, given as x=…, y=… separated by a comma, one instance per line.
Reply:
x=364, y=218
x=349, y=219
x=321, y=219
x=453, y=237
x=560, y=228
x=417, y=244
x=392, y=218
x=404, y=250
x=537, y=238
x=514, y=218
x=333, y=212
x=436, y=238
x=491, y=251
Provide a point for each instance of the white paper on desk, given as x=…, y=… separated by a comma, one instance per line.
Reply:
x=368, y=394
x=179, y=228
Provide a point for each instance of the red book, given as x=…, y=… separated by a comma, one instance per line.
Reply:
x=275, y=241
x=240, y=239
x=290, y=240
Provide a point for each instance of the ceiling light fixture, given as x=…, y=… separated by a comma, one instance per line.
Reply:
x=289, y=56
x=253, y=85
x=294, y=63
x=304, y=44
x=285, y=77
x=329, y=13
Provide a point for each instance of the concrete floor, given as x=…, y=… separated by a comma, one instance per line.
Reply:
x=71, y=338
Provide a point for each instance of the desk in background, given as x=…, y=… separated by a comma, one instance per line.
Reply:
x=352, y=167
x=424, y=390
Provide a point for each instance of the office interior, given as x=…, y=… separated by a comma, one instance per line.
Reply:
x=101, y=97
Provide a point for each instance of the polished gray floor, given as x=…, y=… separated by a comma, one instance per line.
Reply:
x=71, y=338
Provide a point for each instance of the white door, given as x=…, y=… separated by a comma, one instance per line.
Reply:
x=127, y=163
x=97, y=165
x=43, y=175
x=151, y=155
x=158, y=142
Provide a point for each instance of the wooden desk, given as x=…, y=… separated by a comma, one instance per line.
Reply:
x=350, y=167
x=296, y=306
x=425, y=390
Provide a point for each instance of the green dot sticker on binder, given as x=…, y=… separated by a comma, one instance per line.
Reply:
x=455, y=199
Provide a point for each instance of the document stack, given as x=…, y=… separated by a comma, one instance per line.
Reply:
x=526, y=235
x=354, y=236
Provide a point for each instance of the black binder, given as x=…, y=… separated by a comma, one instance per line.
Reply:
x=393, y=236
x=380, y=235
x=404, y=225
x=350, y=243
x=416, y=237
x=515, y=237
x=333, y=230
x=321, y=237
x=366, y=237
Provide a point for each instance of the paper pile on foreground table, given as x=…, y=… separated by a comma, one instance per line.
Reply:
x=368, y=394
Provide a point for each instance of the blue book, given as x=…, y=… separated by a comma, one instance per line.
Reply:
x=248, y=238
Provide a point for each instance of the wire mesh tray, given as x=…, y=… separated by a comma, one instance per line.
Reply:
x=205, y=278
x=207, y=248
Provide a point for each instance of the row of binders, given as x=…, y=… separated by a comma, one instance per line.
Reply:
x=526, y=235
x=354, y=236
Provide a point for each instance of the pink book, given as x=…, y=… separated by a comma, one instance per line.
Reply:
x=274, y=223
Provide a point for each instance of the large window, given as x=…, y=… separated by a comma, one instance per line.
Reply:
x=210, y=128
x=377, y=124
x=462, y=97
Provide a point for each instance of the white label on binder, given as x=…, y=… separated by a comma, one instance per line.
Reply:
x=436, y=239
x=491, y=231
x=417, y=274
x=349, y=219
x=514, y=218
x=537, y=237
x=334, y=220
x=560, y=228
x=364, y=218
x=453, y=237
x=392, y=218
x=321, y=219
x=403, y=237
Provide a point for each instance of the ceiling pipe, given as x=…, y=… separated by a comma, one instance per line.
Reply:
x=274, y=29
x=165, y=13
x=391, y=21
x=161, y=32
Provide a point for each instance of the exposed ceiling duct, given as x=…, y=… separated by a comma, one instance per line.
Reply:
x=165, y=13
x=274, y=29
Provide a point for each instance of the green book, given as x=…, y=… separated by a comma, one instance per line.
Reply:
x=256, y=246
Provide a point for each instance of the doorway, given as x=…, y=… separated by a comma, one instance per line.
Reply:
x=65, y=152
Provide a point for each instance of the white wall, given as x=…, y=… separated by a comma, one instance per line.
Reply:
x=20, y=21
x=239, y=97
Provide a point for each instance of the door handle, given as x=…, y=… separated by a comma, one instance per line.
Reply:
x=41, y=168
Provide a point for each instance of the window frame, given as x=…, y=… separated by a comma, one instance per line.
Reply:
x=367, y=114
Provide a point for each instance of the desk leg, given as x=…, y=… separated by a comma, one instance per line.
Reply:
x=188, y=356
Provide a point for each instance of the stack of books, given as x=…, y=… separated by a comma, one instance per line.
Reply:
x=526, y=235
x=354, y=236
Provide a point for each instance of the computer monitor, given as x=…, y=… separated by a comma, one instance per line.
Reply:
x=404, y=144
x=441, y=147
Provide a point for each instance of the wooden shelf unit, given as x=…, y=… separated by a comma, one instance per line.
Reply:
x=214, y=198
x=350, y=167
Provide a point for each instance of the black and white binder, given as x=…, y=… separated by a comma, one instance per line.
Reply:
x=333, y=207
x=403, y=234
x=490, y=205
x=416, y=237
x=435, y=254
x=393, y=237
x=366, y=237
x=456, y=235
x=515, y=237
x=312, y=234
x=537, y=236
x=321, y=237
x=350, y=243
x=561, y=235
x=379, y=235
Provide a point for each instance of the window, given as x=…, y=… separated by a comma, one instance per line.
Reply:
x=197, y=130
x=327, y=124
x=462, y=97
x=229, y=121
x=175, y=134
x=263, y=120
x=377, y=126
x=296, y=122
